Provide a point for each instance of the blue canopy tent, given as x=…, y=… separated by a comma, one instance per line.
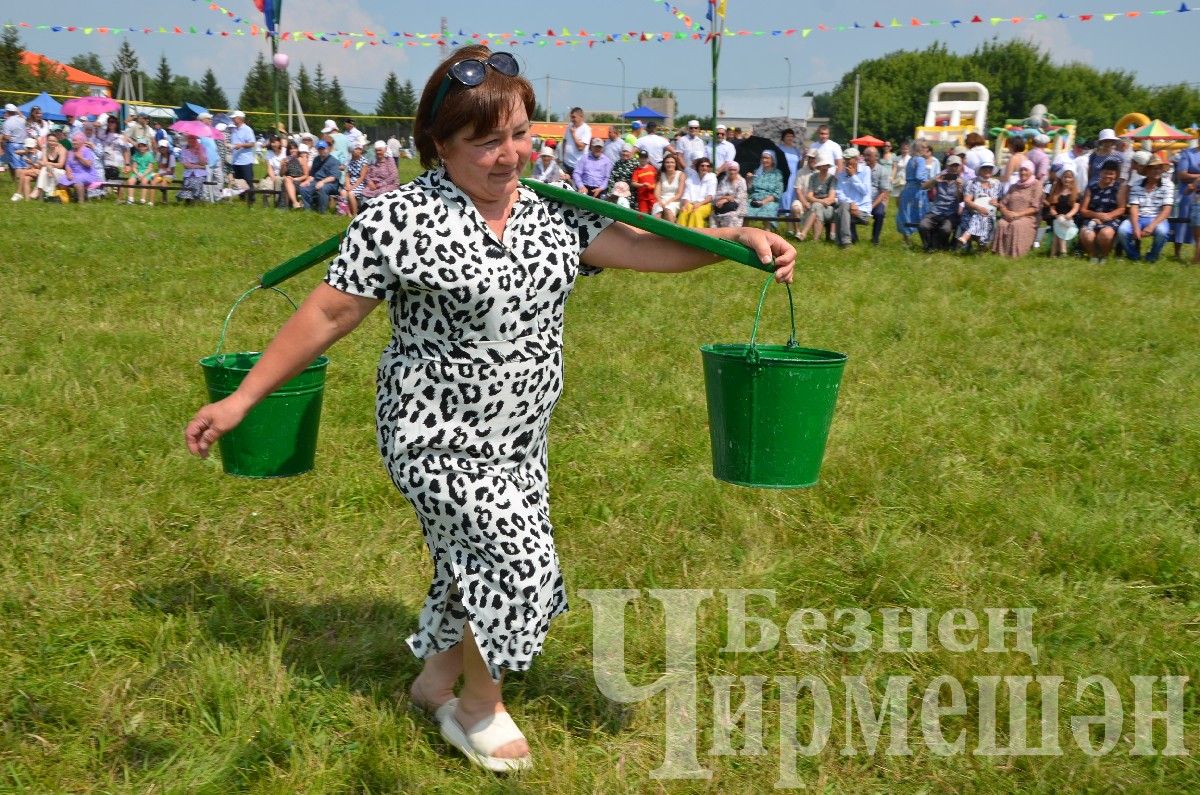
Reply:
x=51, y=107
x=643, y=113
x=188, y=112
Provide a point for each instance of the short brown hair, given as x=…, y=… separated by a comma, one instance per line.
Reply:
x=475, y=109
x=975, y=139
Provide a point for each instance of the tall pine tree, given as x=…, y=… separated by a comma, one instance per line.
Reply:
x=304, y=91
x=162, y=88
x=321, y=90
x=408, y=100
x=88, y=62
x=126, y=61
x=389, y=98
x=336, y=100
x=256, y=92
x=13, y=74
x=211, y=95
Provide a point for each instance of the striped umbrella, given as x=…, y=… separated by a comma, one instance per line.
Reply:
x=1158, y=130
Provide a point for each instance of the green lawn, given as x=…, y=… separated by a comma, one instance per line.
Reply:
x=1009, y=433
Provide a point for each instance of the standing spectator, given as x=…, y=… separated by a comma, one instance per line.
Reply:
x=976, y=152
x=36, y=125
x=354, y=136
x=215, y=177
x=691, y=145
x=1101, y=211
x=921, y=167
x=592, y=170
x=356, y=176
x=699, y=190
x=823, y=145
x=1016, y=159
x=1124, y=150
x=1019, y=209
x=139, y=127
x=635, y=132
x=623, y=168
x=143, y=170
x=766, y=187
x=393, y=148
x=899, y=165
x=1063, y=202
x=881, y=188
x=194, y=160
x=116, y=149
x=791, y=156
x=242, y=144
x=324, y=172
x=726, y=152
x=339, y=143
x=14, y=135
x=729, y=206
x=939, y=223
x=853, y=196
x=654, y=144
x=888, y=158
x=1150, y=206
x=979, y=206
x=643, y=181
x=1072, y=159
x=1187, y=183
x=668, y=191
x=156, y=131
x=1105, y=152
x=614, y=145
x=381, y=175
x=546, y=168
x=821, y=197
x=1037, y=155
x=575, y=141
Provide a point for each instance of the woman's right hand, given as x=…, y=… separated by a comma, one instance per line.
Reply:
x=212, y=422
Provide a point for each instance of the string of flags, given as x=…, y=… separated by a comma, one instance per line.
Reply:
x=565, y=37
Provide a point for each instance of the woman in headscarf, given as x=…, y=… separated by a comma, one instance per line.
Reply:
x=381, y=175
x=1017, y=225
x=194, y=160
x=766, y=186
x=730, y=204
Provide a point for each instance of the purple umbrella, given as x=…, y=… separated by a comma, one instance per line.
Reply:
x=89, y=106
x=196, y=128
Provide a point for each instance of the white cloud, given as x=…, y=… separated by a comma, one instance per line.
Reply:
x=1055, y=38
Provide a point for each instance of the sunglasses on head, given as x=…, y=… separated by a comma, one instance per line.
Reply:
x=471, y=72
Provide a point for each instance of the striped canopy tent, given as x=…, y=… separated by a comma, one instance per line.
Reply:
x=1158, y=130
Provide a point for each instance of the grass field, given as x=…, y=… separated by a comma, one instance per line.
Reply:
x=1009, y=433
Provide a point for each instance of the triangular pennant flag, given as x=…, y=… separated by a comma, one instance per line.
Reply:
x=895, y=22
x=804, y=33
x=1085, y=17
x=976, y=18
x=954, y=23
x=916, y=23
x=1133, y=14
x=1183, y=9
x=87, y=31
x=997, y=20
x=1039, y=17
x=1109, y=17
x=877, y=24
x=358, y=45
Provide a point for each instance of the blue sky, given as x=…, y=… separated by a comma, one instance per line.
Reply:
x=753, y=70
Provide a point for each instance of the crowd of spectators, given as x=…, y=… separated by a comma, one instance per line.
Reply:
x=1096, y=197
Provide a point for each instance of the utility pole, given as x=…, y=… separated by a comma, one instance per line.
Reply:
x=855, y=135
x=548, y=106
x=622, y=83
x=789, y=88
x=443, y=44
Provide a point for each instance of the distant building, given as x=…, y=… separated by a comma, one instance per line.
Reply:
x=664, y=105
x=78, y=80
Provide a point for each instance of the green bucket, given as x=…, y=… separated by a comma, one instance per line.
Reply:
x=770, y=408
x=278, y=437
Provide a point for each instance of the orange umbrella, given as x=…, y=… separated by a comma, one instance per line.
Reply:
x=867, y=140
x=1158, y=130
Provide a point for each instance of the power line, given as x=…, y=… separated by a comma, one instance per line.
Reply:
x=618, y=85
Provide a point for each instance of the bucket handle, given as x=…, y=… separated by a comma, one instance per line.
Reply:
x=752, y=353
x=243, y=297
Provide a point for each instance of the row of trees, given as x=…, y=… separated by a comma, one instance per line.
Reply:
x=894, y=90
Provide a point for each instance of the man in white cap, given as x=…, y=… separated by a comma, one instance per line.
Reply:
x=1106, y=151
x=692, y=146
x=725, y=152
x=13, y=133
x=854, y=196
x=242, y=144
x=339, y=142
x=354, y=136
x=592, y=170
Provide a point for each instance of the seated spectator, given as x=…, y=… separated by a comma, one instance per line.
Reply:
x=54, y=164
x=274, y=154
x=821, y=193
x=356, y=177
x=881, y=188
x=591, y=170
x=323, y=175
x=729, y=206
x=619, y=195
x=295, y=173
x=766, y=187
x=381, y=175
x=643, y=180
x=116, y=150
x=1100, y=213
x=854, y=197
x=979, y=206
x=942, y=217
x=80, y=171
x=1017, y=225
x=1150, y=206
x=546, y=168
x=194, y=159
x=164, y=163
x=698, y=193
x=1062, y=202
x=622, y=170
x=143, y=170
x=668, y=191
x=799, y=195
x=32, y=154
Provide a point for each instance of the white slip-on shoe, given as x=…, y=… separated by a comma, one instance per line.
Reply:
x=484, y=737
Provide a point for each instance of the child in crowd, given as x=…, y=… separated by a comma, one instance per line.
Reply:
x=144, y=169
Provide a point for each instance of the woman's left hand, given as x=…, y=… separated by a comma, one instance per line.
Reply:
x=768, y=246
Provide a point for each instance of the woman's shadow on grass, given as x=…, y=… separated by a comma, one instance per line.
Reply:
x=358, y=644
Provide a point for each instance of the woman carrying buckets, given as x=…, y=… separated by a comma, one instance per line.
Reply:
x=469, y=379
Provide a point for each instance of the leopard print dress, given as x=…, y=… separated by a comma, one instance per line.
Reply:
x=465, y=391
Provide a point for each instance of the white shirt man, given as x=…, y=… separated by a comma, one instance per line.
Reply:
x=692, y=146
x=355, y=136
x=654, y=144
x=725, y=151
x=575, y=141
x=393, y=147
x=825, y=146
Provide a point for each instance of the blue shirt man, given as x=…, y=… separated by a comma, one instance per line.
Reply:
x=854, y=196
x=242, y=141
x=592, y=171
